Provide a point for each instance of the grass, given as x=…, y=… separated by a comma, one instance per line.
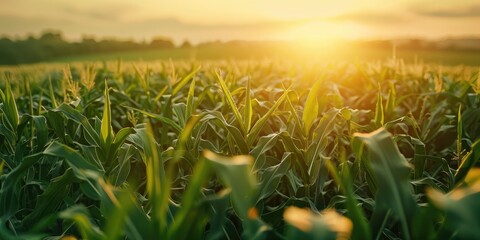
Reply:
x=246, y=149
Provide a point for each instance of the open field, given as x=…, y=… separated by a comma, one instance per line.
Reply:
x=244, y=149
x=288, y=52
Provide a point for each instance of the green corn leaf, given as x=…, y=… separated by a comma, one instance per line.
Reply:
x=294, y=111
x=82, y=168
x=379, y=115
x=219, y=204
x=161, y=94
x=190, y=100
x=425, y=223
x=264, y=144
x=41, y=130
x=248, y=111
x=120, y=172
x=158, y=185
x=235, y=173
x=8, y=194
x=56, y=121
x=461, y=209
x=391, y=171
x=79, y=214
x=122, y=135
x=117, y=206
x=118, y=141
x=315, y=155
x=40, y=127
x=361, y=229
x=10, y=106
x=190, y=215
x=191, y=218
x=310, y=112
x=52, y=92
x=300, y=165
x=271, y=176
x=232, y=130
x=106, y=129
x=185, y=135
x=165, y=120
x=180, y=112
x=230, y=102
x=459, y=132
x=124, y=216
x=255, y=131
x=76, y=116
x=180, y=84
x=468, y=161
x=51, y=198
x=391, y=99
x=420, y=160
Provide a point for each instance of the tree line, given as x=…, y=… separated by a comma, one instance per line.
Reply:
x=52, y=44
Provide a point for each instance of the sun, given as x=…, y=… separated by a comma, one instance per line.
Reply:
x=322, y=38
x=323, y=30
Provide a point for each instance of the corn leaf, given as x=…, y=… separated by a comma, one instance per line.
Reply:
x=310, y=112
x=180, y=84
x=253, y=134
x=231, y=103
x=248, y=111
x=306, y=225
x=468, y=162
x=391, y=171
x=461, y=211
x=379, y=114
x=106, y=129
x=235, y=173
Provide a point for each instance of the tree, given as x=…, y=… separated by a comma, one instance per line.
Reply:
x=161, y=42
x=186, y=44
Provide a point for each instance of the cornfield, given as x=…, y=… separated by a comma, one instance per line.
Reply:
x=239, y=150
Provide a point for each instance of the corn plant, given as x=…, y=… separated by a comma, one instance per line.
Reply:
x=239, y=150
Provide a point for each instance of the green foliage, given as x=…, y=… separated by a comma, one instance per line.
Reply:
x=391, y=173
x=239, y=150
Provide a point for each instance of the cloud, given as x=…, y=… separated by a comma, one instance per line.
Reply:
x=100, y=25
x=472, y=11
x=174, y=23
x=375, y=18
x=15, y=25
x=99, y=12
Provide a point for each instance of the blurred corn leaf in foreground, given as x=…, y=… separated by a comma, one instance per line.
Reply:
x=460, y=208
x=304, y=224
x=391, y=171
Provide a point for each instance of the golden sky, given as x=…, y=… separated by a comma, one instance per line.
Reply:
x=244, y=20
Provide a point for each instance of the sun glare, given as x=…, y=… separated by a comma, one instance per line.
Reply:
x=315, y=37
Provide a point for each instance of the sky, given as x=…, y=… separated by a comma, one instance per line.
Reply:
x=257, y=20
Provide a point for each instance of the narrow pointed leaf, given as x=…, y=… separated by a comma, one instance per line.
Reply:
x=106, y=129
x=379, y=115
x=179, y=85
x=248, y=111
x=310, y=111
x=231, y=103
x=255, y=131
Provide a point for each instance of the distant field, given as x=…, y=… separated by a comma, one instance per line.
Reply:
x=450, y=57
